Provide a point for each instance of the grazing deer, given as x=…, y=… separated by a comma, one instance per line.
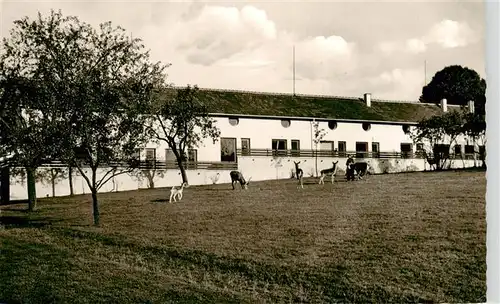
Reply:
x=299, y=174
x=355, y=168
x=177, y=192
x=236, y=176
x=325, y=172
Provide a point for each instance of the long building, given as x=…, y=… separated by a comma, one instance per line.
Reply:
x=263, y=133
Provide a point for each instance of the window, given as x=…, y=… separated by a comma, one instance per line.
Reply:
x=151, y=157
x=286, y=123
x=295, y=147
x=441, y=151
x=326, y=145
x=326, y=148
x=279, y=146
x=332, y=125
x=192, y=158
x=234, y=121
x=245, y=146
x=420, y=150
x=361, y=149
x=136, y=158
x=406, y=150
x=406, y=129
x=457, y=149
x=482, y=152
x=228, y=149
x=342, y=148
x=367, y=126
x=375, y=149
x=170, y=158
x=469, y=151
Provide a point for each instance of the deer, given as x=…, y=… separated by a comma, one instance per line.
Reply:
x=299, y=174
x=430, y=160
x=356, y=168
x=236, y=176
x=325, y=172
x=176, y=193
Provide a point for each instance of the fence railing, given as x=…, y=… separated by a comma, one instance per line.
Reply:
x=356, y=154
x=161, y=165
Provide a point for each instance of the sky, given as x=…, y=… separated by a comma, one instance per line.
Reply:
x=388, y=49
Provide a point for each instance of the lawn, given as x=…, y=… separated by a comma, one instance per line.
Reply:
x=415, y=237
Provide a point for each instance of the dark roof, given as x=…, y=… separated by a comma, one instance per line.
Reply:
x=325, y=107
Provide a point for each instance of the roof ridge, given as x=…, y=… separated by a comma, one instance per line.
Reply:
x=302, y=95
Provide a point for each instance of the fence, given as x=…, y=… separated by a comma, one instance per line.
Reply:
x=160, y=165
x=357, y=154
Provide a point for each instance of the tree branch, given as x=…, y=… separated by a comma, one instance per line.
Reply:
x=89, y=183
x=109, y=171
x=116, y=174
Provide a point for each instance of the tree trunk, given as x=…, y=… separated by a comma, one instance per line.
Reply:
x=5, y=185
x=316, y=162
x=95, y=207
x=31, y=189
x=95, y=203
x=150, y=175
x=53, y=181
x=183, y=171
x=70, y=176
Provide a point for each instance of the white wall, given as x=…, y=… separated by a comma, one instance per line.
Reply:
x=261, y=132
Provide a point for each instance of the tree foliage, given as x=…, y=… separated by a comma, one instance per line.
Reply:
x=445, y=129
x=30, y=116
x=97, y=81
x=181, y=121
x=458, y=85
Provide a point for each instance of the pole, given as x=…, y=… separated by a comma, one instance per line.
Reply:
x=425, y=73
x=294, y=70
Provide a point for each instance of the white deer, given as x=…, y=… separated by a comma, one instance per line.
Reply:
x=176, y=193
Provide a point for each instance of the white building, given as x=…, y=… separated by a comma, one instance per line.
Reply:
x=263, y=133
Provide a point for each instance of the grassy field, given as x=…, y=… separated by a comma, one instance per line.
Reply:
x=417, y=237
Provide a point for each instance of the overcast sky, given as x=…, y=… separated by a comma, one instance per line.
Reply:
x=341, y=48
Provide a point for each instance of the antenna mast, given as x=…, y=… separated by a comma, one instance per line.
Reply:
x=425, y=73
x=294, y=70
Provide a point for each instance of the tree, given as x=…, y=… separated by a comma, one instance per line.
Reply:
x=100, y=81
x=475, y=127
x=51, y=176
x=149, y=175
x=438, y=133
x=29, y=119
x=458, y=85
x=318, y=135
x=181, y=121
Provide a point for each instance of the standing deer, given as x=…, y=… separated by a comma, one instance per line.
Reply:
x=236, y=176
x=430, y=160
x=325, y=172
x=299, y=174
x=177, y=193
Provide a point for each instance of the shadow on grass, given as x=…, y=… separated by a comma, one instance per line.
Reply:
x=55, y=282
x=159, y=200
x=26, y=222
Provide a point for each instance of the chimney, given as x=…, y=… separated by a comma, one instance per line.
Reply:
x=444, y=105
x=368, y=99
x=471, y=106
